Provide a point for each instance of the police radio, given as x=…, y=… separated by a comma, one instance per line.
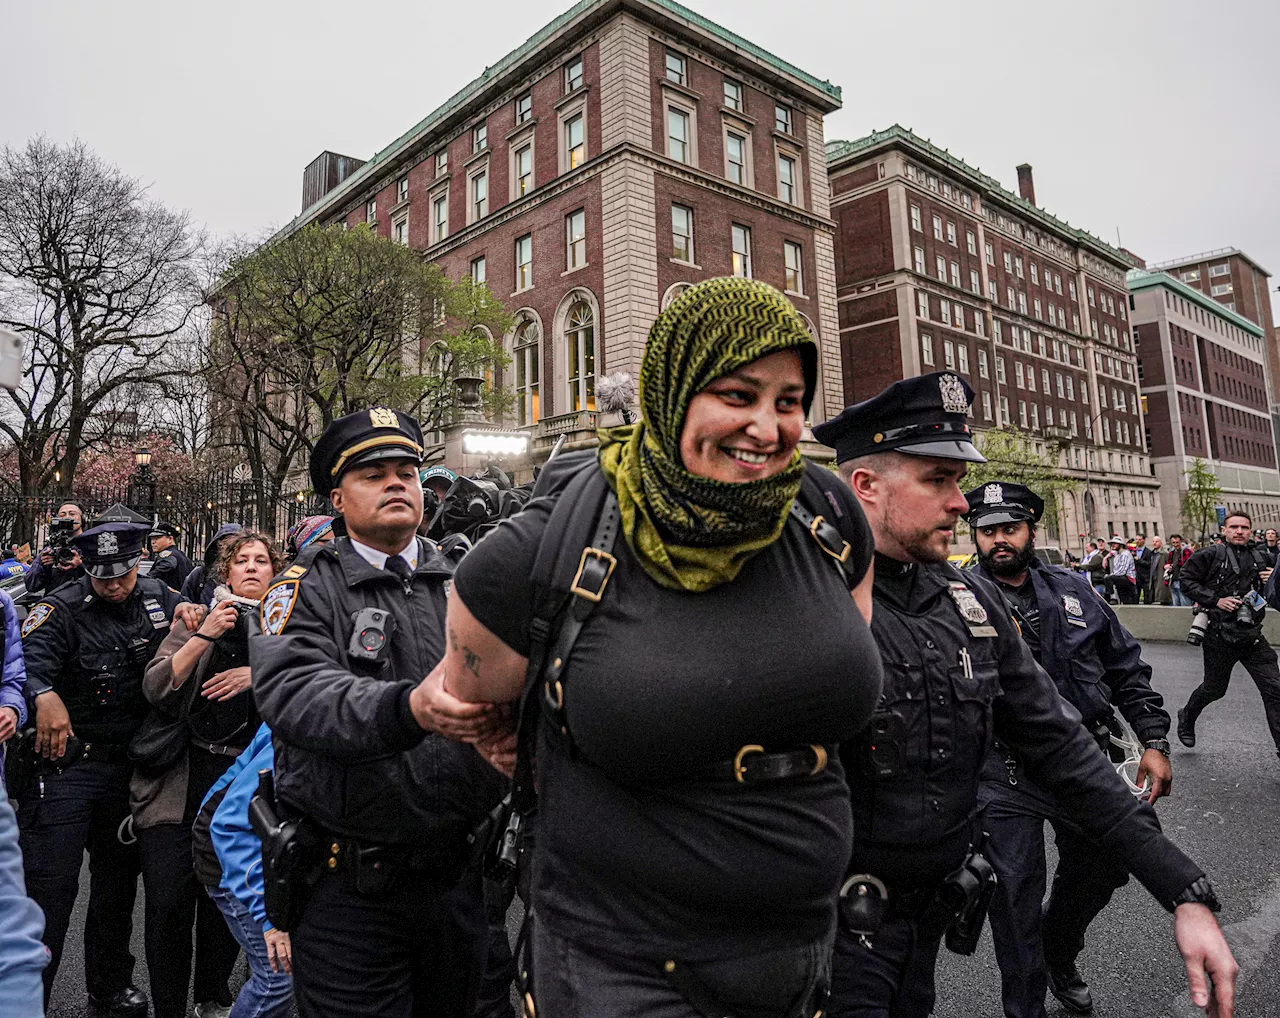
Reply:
x=371, y=636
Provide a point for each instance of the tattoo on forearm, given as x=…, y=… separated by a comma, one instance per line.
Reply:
x=472, y=660
x=453, y=638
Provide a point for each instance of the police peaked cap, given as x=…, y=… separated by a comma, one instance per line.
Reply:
x=924, y=416
x=112, y=549
x=163, y=529
x=1003, y=502
x=367, y=435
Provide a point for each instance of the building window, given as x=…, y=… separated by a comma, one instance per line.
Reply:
x=1000, y=377
x=922, y=304
x=1219, y=270
x=440, y=217
x=478, y=274
x=524, y=262
x=977, y=323
x=915, y=218
x=1039, y=311
x=782, y=119
x=681, y=233
x=787, y=179
x=1092, y=303
x=951, y=233
x=402, y=189
x=792, y=258
x=955, y=274
x=1022, y=303
x=524, y=108
x=944, y=311
x=442, y=163
x=970, y=242
x=1022, y=413
x=926, y=348
x=580, y=342
x=527, y=357
x=992, y=291
x=575, y=239
x=986, y=406
x=1017, y=266
x=975, y=284
x=949, y=355
x=741, y=245
x=400, y=230
x=990, y=253
x=524, y=170
x=573, y=74
x=371, y=212
x=479, y=195
x=964, y=358
x=982, y=363
x=1008, y=262
x=733, y=94
x=736, y=158
x=675, y=68
x=1019, y=374
x=1035, y=416
x=940, y=264
x=1220, y=289
x=937, y=227
x=1004, y=410
x=479, y=137
x=677, y=134
x=575, y=145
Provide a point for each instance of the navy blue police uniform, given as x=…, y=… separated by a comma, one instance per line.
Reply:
x=956, y=676
x=391, y=924
x=171, y=565
x=91, y=653
x=1097, y=666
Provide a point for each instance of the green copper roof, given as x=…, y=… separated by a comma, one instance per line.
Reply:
x=1140, y=280
x=837, y=150
x=378, y=163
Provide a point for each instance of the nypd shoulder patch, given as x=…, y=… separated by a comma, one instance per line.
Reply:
x=36, y=618
x=277, y=606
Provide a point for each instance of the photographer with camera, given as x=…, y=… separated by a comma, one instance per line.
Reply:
x=1225, y=581
x=198, y=684
x=59, y=562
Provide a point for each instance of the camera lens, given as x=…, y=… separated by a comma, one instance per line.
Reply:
x=372, y=640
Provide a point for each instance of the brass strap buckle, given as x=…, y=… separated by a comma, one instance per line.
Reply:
x=819, y=758
x=845, y=549
x=595, y=557
x=739, y=769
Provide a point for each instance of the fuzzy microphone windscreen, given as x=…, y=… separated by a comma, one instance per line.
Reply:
x=616, y=394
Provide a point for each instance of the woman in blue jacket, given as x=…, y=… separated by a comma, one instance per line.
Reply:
x=228, y=860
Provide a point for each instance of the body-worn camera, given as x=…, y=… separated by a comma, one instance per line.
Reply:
x=371, y=635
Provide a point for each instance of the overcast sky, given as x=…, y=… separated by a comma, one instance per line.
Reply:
x=1156, y=119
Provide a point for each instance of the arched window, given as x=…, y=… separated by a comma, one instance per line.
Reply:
x=673, y=291
x=527, y=358
x=580, y=346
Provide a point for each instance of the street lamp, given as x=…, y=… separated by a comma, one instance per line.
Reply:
x=144, y=485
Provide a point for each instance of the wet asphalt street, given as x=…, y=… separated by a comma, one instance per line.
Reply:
x=1225, y=812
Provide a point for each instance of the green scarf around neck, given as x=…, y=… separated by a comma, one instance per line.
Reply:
x=689, y=532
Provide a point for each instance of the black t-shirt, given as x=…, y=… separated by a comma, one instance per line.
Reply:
x=634, y=857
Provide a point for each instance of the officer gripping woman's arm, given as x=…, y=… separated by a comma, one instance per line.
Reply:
x=956, y=672
x=383, y=917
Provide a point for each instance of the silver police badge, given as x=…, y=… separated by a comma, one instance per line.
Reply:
x=1072, y=604
x=992, y=494
x=107, y=544
x=951, y=389
x=970, y=607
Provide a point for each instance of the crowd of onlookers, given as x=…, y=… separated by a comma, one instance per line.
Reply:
x=1137, y=571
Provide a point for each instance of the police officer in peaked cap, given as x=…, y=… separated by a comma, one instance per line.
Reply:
x=86, y=646
x=387, y=921
x=1098, y=668
x=957, y=674
x=170, y=563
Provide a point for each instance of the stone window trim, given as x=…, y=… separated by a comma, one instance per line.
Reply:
x=517, y=133
x=526, y=315
x=479, y=170
x=783, y=146
x=684, y=91
x=690, y=110
x=519, y=140
x=748, y=123
x=564, y=114
x=578, y=94
x=728, y=127
x=437, y=192
x=560, y=365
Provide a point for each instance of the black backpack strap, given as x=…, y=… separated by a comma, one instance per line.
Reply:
x=818, y=510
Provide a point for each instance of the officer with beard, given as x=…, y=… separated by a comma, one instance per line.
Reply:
x=956, y=673
x=1097, y=666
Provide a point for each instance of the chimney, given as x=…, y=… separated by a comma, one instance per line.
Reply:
x=325, y=172
x=1026, y=186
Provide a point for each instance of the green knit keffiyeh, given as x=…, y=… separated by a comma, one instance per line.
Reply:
x=689, y=532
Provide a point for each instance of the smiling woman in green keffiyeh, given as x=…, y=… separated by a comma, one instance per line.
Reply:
x=707, y=478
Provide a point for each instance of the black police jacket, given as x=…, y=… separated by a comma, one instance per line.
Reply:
x=348, y=753
x=952, y=681
x=92, y=653
x=1222, y=570
x=172, y=567
x=1095, y=662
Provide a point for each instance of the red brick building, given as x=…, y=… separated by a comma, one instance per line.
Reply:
x=627, y=149
x=939, y=266
x=1204, y=380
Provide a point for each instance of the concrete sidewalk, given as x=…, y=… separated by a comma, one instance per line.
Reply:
x=1158, y=622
